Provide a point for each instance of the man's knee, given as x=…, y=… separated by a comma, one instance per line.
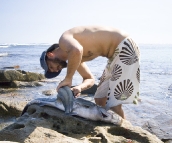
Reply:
x=100, y=101
x=118, y=109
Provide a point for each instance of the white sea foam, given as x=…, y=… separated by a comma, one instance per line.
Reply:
x=4, y=46
x=3, y=54
x=7, y=45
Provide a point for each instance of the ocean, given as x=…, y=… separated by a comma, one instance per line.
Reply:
x=155, y=70
x=155, y=80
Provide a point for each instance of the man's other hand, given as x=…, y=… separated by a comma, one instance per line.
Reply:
x=76, y=90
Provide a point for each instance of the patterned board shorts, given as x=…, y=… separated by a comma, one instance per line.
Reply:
x=121, y=77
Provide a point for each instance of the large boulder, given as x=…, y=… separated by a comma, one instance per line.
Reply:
x=46, y=124
x=12, y=104
x=14, y=78
x=19, y=75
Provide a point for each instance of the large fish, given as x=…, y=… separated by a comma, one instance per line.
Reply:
x=77, y=106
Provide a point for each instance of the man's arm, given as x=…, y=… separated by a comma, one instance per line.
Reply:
x=74, y=50
x=88, y=79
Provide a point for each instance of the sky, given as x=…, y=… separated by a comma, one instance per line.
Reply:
x=43, y=21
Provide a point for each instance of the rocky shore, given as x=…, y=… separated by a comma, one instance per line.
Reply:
x=46, y=124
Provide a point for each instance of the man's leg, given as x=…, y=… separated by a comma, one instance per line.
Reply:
x=101, y=101
x=118, y=109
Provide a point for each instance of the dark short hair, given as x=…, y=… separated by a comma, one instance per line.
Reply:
x=51, y=48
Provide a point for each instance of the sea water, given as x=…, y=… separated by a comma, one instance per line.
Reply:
x=155, y=75
x=155, y=65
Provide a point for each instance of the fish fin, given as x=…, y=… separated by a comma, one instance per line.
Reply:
x=103, y=112
x=62, y=96
x=104, y=115
x=70, y=97
x=67, y=98
x=24, y=110
x=77, y=116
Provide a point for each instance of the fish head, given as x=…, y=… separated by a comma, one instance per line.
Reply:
x=110, y=116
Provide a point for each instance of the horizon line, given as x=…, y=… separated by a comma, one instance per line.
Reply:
x=41, y=43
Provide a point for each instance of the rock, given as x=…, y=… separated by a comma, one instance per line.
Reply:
x=46, y=124
x=11, y=75
x=12, y=67
x=91, y=90
x=169, y=141
x=163, y=132
x=12, y=106
x=49, y=92
x=18, y=75
x=30, y=76
x=18, y=78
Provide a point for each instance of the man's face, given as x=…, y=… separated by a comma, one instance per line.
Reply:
x=54, y=65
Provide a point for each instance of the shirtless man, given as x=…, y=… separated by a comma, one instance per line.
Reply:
x=119, y=83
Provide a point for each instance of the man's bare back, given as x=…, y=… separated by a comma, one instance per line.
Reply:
x=96, y=41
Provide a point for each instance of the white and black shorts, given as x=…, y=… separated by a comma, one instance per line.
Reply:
x=121, y=77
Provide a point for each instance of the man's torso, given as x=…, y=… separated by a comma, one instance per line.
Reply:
x=97, y=41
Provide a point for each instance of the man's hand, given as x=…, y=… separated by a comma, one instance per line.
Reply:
x=65, y=82
x=76, y=90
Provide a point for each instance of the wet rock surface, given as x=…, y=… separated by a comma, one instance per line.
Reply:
x=52, y=125
x=40, y=124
